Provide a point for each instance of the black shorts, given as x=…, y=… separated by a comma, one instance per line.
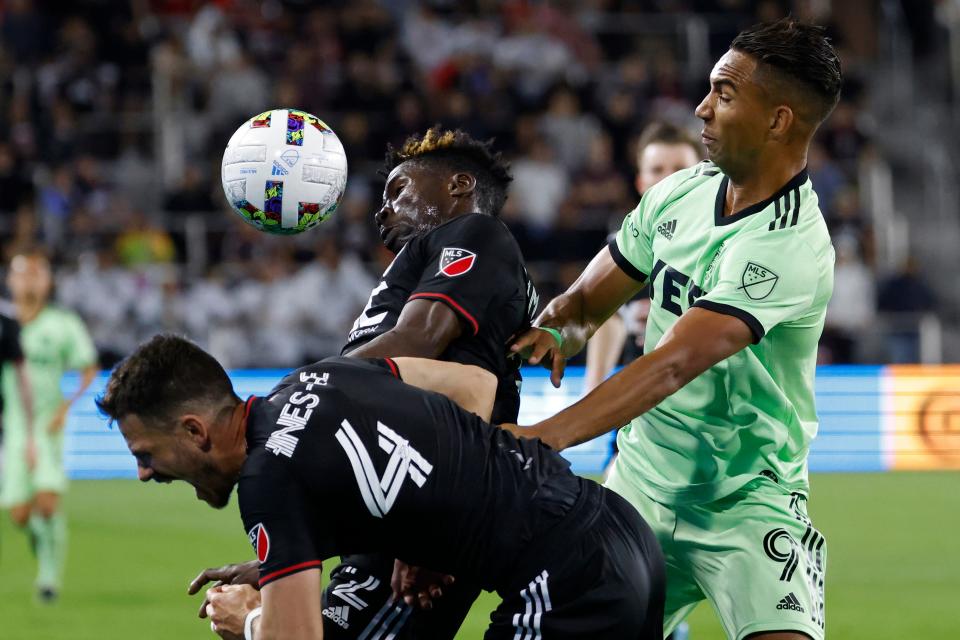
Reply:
x=607, y=582
x=599, y=574
x=358, y=603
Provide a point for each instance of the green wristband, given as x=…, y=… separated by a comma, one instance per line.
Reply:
x=556, y=335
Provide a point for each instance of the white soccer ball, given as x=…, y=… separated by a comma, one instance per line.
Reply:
x=284, y=171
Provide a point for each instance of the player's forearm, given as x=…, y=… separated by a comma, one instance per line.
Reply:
x=586, y=305
x=87, y=377
x=635, y=390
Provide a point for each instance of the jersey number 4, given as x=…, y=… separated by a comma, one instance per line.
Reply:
x=379, y=493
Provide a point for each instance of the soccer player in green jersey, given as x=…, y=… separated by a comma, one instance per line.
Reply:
x=721, y=408
x=53, y=341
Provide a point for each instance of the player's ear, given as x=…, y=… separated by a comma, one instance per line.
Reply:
x=196, y=431
x=781, y=122
x=462, y=184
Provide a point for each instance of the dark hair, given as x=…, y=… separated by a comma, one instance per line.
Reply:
x=160, y=377
x=801, y=54
x=661, y=132
x=458, y=151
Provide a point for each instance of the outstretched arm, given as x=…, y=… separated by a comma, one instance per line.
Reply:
x=470, y=387
x=577, y=313
x=698, y=340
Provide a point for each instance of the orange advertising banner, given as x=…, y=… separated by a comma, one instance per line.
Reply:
x=921, y=417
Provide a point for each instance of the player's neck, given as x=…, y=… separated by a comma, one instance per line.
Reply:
x=28, y=309
x=761, y=182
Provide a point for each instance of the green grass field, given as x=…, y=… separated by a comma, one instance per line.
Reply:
x=893, y=568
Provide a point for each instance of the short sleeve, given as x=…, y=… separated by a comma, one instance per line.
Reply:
x=764, y=279
x=274, y=514
x=10, y=349
x=632, y=247
x=470, y=264
x=79, y=349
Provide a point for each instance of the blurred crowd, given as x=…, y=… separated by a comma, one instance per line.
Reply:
x=115, y=115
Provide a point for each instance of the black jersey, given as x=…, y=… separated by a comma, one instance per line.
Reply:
x=10, y=349
x=343, y=457
x=473, y=265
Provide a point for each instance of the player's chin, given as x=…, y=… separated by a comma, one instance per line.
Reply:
x=218, y=499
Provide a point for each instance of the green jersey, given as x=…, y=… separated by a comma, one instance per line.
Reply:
x=771, y=266
x=53, y=342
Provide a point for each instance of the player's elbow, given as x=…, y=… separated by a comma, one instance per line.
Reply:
x=479, y=389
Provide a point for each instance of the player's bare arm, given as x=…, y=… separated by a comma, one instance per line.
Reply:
x=469, y=386
x=87, y=376
x=577, y=313
x=699, y=340
x=288, y=609
x=424, y=330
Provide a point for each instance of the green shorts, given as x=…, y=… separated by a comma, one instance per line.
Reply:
x=18, y=484
x=754, y=554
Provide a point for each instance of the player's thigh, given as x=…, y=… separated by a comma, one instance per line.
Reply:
x=683, y=593
x=760, y=560
x=46, y=503
x=49, y=475
x=16, y=482
x=357, y=594
x=605, y=583
x=358, y=602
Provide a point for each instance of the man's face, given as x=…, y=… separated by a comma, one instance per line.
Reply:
x=412, y=198
x=29, y=278
x=164, y=456
x=660, y=159
x=735, y=113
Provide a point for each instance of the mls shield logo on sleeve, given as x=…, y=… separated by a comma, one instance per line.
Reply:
x=757, y=281
x=260, y=540
x=456, y=262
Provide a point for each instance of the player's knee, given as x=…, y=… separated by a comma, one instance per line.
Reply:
x=20, y=515
x=47, y=504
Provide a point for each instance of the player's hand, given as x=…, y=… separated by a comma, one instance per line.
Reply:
x=536, y=346
x=58, y=420
x=31, y=453
x=228, y=606
x=247, y=573
x=417, y=586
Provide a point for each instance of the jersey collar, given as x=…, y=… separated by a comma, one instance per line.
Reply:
x=720, y=220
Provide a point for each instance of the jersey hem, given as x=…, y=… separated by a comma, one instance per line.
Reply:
x=815, y=632
x=450, y=302
x=718, y=307
x=297, y=568
x=625, y=265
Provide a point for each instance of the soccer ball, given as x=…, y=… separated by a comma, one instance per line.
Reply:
x=284, y=171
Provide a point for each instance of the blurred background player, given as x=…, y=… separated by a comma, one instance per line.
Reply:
x=54, y=341
x=662, y=149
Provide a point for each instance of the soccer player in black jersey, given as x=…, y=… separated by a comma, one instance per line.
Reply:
x=457, y=289
x=346, y=436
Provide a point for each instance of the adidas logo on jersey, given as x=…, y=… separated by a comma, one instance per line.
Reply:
x=339, y=615
x=790, y=601
x=667, y=229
